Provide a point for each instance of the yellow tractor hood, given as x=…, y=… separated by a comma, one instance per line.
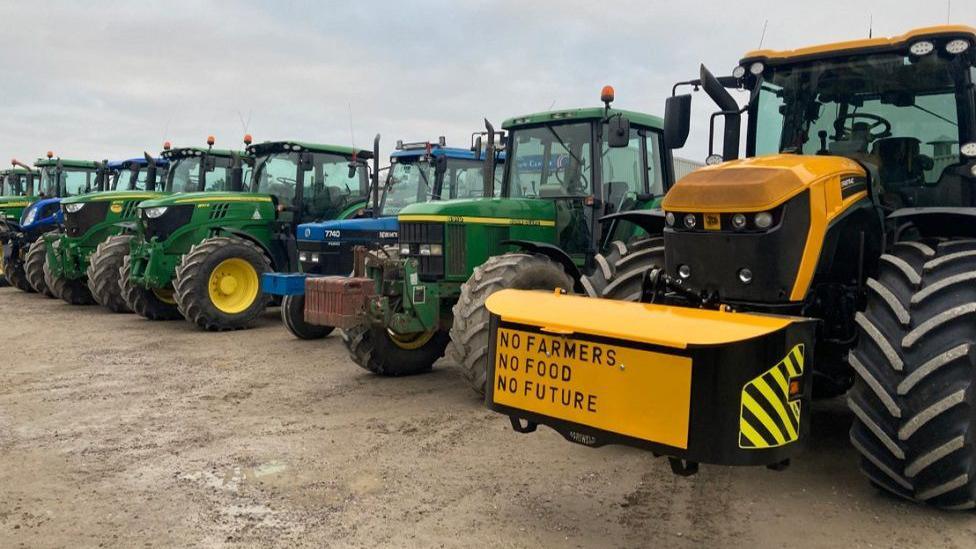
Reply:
x=754, y=184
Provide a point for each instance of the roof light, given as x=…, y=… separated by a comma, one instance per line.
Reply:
x=247, y=139
x=211, y=140
x=757, y=68
x=969, y=149
x=607, y=94
x=399, y=145
x=167, y=145
x=957, y=46
x=714, y=159
x=923, y=47
x=50, y=154
x=739, y=71
x=764, y=220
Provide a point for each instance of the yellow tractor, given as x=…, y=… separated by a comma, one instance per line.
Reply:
x=838, y=256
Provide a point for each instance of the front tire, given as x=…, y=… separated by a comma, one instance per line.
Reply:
x=620, y=273
x=913, y=400
x=104, y=267
x=469, y=334
x=151, y=304
x=381, y=352
x=218, y=283
x=293, y=317
x=14, y=273
x=34, y=263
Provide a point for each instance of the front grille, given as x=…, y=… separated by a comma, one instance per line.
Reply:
x=129, y=209
x=415, y=234
x=456, y=251
x=78, y=223
x=164, y=225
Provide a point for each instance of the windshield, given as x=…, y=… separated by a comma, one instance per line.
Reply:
x=327, y=186
x=13, y=185
x=884, y=110
x=184, y=174
x=72, y=181
x=412, y=180
x=134, y=178
x=551, y=161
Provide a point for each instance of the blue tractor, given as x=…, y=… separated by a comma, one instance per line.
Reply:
x=418, y=172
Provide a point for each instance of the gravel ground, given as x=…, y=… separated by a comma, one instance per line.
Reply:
x=115, y=431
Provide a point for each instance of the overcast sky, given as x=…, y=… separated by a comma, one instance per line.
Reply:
x=105, y=79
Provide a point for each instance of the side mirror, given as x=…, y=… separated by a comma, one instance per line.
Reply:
x=150, y=171
x=677, y=120
x=353, y=166
x=476, y=148
x=618, y=132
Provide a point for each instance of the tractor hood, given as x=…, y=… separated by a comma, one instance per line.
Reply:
x=505, y=211
x=14, y=201
x=204, y=197
x=318, y=231
x=754, y=184
x=112, y=195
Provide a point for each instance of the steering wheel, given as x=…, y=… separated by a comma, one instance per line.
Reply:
x=843, y=131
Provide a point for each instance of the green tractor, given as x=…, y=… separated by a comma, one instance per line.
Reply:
x=571, y=179
x=83, y=261
x=24, y=247
x=16, y=193
x=200, y=254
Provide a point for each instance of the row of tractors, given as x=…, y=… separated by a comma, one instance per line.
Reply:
x=561, y=265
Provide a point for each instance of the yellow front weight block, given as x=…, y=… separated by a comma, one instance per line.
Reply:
x=696, y=385
x=165, y=295
x=233, y=285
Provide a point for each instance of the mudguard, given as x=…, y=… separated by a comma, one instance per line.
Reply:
x=698, y=386
x=652, y=221
x=554, y=253
x=932, y=221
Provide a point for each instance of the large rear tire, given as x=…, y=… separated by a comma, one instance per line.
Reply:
x=148, y=303
x=469, y=334
x=104, y=266
x=620, y=272
x=218, y=283
x=293, y=317
x=34, y=262
x=381, y=352
x=913, y=400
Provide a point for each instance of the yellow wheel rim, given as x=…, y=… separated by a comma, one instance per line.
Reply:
x=165, y=295
x=410, y=342
x=233, y=285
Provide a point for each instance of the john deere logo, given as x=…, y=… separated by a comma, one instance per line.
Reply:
x=116, y=207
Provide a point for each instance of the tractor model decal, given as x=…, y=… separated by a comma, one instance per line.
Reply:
x=769, y=415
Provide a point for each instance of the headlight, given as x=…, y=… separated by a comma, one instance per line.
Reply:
x=669, y=219
x=431, y=249
x=957, y=46
x=404, y=249
x=739, y=71
x=302, y=256
x=315, y=258
x=690, y=221
x=764, y=220
x=738, y=221
x=73, y=207
x=921, y=48
x=153, y=213
x=757, y=68
x=29, y=216
x=969, y=149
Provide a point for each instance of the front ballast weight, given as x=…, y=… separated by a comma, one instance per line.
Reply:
x=697, y=386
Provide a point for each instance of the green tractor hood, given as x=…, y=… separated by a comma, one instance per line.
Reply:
x=112, y=195
x=503, y=211
x=204, y=197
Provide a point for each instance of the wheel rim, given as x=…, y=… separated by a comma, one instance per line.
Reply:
x=233, y=285
x=165, y=295
x=410, y=342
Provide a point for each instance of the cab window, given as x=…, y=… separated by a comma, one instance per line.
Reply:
x=552, y=161
x=622, y=170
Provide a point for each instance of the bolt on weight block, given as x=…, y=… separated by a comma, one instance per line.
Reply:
x=338, y=301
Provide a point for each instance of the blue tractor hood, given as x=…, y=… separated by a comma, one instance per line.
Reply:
x=331, y=230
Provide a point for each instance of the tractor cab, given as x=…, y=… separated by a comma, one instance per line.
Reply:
x=138, y=174
x=199, y=169
x=18, y=181
x=309, y=182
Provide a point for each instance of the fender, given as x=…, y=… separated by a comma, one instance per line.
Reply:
x=246, y=236
x=554, y=253
x=936, y=221
x=652, y=221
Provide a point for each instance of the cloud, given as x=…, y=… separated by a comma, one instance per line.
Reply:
x=110, y=79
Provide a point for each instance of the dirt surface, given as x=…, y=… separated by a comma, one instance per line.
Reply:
x=115, y=431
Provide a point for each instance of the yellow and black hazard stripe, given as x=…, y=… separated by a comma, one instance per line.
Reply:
x=769, y=415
